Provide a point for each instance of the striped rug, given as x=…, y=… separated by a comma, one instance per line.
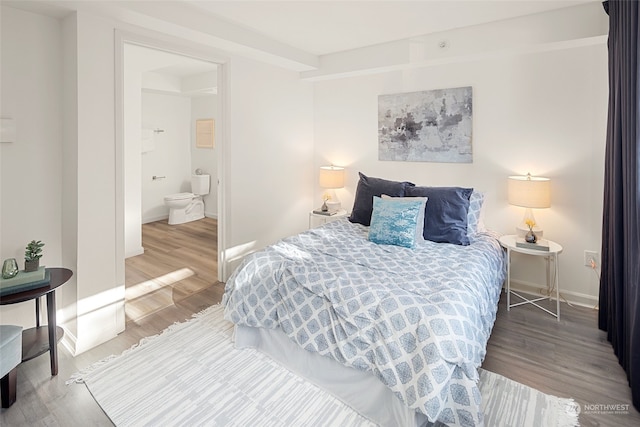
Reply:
x=192, y=375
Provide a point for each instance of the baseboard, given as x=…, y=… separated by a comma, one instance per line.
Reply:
x=575, y=298
x=69, y=341
x=135, y=252
x=149, y=219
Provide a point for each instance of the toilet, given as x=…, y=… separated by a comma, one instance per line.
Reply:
x=186, y=207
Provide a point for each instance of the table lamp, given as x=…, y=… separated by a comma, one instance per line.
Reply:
x=530, y=192
x=331, y=177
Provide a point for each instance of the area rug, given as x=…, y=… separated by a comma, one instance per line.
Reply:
x=191, y=375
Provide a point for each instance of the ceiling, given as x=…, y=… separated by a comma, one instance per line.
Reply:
x=323, y=27
x=320, y=27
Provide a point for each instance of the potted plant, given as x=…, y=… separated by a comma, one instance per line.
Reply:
x=32, y=255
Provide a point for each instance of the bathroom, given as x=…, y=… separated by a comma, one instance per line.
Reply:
x=165, y=96
x=169, y=152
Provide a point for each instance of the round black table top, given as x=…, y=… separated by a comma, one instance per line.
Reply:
x=58, y=276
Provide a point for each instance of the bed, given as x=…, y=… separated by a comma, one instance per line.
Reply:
x=396, y=332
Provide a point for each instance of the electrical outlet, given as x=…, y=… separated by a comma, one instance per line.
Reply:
x=591, y=256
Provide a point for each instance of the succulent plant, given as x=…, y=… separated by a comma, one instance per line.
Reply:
x=33, y=251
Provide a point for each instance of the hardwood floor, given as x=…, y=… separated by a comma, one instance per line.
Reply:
x=570, y=358
x=178, y=261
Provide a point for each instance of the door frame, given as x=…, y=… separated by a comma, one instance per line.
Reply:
x=193, y=50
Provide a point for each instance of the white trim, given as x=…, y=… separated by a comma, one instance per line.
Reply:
x=120, y=255
x=69, y=341
x=223, y=134
x=135, y=252
x=147, y=220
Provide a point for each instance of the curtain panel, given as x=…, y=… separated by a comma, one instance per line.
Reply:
x=619, y=313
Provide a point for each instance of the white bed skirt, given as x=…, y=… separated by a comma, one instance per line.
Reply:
x=360, y=390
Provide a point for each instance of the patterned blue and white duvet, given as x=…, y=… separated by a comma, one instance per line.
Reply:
x=418, y=319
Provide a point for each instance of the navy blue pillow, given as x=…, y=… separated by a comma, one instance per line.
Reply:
x=369, y=187
x=445, y=217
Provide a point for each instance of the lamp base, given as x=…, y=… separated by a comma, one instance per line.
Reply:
x=333, y=205
x=522, y=230
x=330, y=201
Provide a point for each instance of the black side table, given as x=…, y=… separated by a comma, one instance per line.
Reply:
x=36, y=341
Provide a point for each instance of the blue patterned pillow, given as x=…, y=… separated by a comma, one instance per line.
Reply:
x=420, y=224
x=474, y=224
x=395, y=222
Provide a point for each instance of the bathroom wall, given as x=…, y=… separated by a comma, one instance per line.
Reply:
x=205, y=107
x=169, y=154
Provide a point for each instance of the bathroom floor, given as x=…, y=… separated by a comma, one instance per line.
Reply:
x=178, y=261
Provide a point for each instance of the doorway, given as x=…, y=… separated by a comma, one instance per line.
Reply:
x=167, y=266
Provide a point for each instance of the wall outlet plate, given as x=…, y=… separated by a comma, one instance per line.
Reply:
x=591, y=255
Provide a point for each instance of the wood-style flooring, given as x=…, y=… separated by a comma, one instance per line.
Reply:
x=570, y=358
x=178, y=261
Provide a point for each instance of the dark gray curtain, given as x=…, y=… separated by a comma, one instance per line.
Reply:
x=619, y=312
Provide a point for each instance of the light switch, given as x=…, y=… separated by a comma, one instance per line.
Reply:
x=8, y=131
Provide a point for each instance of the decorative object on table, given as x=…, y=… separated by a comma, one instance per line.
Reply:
x=331, y=178
x=530, y=192
x=539, y=245
x=32, y=255
x=9, y=268
x=426, y=126
x=326, y=213
x=24, y=281
x=530, y=237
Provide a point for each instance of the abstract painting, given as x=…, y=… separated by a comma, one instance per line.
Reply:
x=426, y=126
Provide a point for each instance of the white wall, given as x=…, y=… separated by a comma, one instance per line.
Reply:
x=268, y=164
x=543, y=113
x=269, y=159
x=171, y=156
x=206, y=107
x=31, y=167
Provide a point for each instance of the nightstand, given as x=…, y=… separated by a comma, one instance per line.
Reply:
x=318, y=219
x=509, y=243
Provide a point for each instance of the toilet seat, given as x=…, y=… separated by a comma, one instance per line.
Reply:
x=179, y=196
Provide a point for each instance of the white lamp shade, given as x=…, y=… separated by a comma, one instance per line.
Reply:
x=331, y=177
x=529, y=191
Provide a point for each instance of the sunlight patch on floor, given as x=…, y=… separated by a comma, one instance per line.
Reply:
x=143, y=288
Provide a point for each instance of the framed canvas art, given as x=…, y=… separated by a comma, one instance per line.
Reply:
x=426, y=126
